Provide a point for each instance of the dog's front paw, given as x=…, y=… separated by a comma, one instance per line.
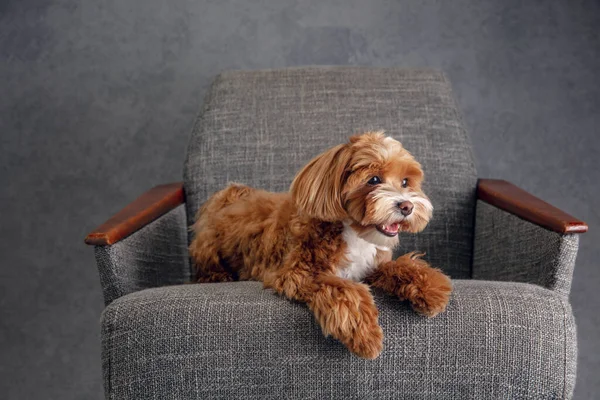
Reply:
x=432, y=292
x=428, y=289
x=366, y=341
x=346, y=311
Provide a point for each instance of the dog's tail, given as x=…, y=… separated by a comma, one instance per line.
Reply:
x=224, y=198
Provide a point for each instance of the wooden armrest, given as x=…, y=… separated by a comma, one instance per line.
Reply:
x=510, y=198
x=143, y=210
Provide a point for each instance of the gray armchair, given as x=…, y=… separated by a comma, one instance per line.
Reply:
x=508, y=331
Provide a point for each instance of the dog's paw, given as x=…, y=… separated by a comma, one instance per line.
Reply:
x=366, y=341
x=346, y=311
x=431, y=292
x=428, y=289
x=365, y=338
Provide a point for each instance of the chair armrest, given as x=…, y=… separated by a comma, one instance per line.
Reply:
x=149, y=206
x=145, y=245
x=521, y=238
x=508, y=197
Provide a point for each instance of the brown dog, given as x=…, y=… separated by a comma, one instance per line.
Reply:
x=335, y=229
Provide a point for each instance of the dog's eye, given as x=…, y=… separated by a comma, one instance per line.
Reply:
x=374, y=180
x=404, y=182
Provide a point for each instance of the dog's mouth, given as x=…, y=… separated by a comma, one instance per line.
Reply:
x=390, y=230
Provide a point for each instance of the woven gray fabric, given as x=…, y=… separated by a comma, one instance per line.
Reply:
x=260, y=127
x=235, y=340
x=156, y=255
x=508, y=248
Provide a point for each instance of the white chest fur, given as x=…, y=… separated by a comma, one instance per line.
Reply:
x=361, y=256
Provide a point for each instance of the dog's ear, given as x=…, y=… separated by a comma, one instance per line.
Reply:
x=317, y=189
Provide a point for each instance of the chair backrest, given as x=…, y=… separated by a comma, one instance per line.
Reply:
x=260, y=127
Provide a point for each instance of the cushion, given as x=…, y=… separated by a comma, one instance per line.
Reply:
x=236, y=340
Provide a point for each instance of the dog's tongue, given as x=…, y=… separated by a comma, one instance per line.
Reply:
x=392, y=227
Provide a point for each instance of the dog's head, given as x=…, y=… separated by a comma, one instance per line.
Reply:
x=372, y=182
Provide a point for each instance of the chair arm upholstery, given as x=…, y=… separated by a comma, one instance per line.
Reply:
x=144, y=245
x=521, y=238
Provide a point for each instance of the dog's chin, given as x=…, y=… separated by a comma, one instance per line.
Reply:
x=379, y=236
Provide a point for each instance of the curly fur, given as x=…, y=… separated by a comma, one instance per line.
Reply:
x=295, y=242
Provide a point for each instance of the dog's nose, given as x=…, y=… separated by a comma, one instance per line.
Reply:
x=406, y=208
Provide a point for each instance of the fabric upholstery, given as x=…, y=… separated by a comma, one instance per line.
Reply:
x=156, y=255
x=236, y=340
x=508, y=248
x=260, y=127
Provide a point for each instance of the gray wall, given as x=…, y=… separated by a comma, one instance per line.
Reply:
x=97, y=99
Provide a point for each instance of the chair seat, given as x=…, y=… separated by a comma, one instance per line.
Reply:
x=236, y=340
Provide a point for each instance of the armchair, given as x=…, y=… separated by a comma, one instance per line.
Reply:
x=508, y=331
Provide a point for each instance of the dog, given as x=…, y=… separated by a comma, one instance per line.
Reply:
x=330, y=238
